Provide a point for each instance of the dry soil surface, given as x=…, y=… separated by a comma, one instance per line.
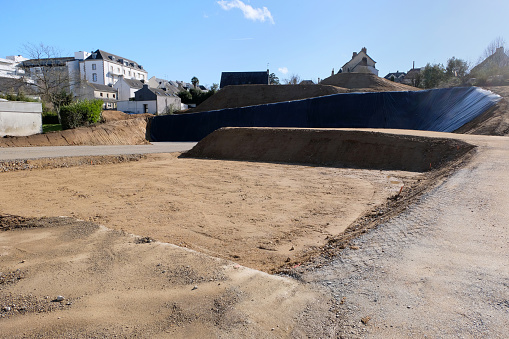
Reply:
x=120, y=129
x=365, y=82
x=250, y=95
x=258, y=214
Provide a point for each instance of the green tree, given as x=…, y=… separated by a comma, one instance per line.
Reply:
x=214, y=88
x=185, y=97
x=433, y=75
x=273, y=79
x=195, y=81
x=456, y=68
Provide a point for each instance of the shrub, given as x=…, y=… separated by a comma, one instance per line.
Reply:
x=81, y=113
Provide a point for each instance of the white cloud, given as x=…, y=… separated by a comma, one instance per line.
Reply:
x=283, y=70
x=255, y=14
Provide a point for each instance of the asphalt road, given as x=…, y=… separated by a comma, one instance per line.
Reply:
x=18, y=153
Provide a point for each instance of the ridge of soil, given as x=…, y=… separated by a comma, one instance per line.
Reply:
x=365, y=82
x=251, y=95
x=330, y=147
x=131, y=131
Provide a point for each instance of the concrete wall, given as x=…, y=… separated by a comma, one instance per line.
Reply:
x=137, y=106
x=172, y=103
x=20, y=118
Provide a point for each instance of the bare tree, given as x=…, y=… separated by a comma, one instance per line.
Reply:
x=492, y=48
x=293, y=80
x=49, y=74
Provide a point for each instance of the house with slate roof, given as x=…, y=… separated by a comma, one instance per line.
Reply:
x=127, y=87
x=104, y=68
x=495, y=61
x=151, y=100
x=360, y=63
x=91, y=91
x=244, y=78
x=398, y=76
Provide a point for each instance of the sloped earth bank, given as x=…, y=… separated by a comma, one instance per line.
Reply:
x=251, y=95
x=260, y=215
x=494, y=121
x=121, y=132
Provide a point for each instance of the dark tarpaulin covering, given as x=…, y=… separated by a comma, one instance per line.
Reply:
x=441, y=110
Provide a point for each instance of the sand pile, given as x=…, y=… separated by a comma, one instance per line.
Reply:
x=250, y=95
x=365, y=82
x=330, y=147
x=108, y=116
x=126, y=132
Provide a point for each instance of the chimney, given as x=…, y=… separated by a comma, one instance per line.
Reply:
x=500, y=50
x=413, y=65
x=332, y=72
x=364, y=49
x=354, y=55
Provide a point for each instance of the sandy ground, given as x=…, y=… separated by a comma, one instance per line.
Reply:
x=260, y=215
x=114, y=285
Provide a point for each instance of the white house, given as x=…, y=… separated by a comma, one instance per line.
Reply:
x=107, y=94
x=361, y=63
x=104, y=68
x=127, y=87
x=151, y=100
x=9, y=67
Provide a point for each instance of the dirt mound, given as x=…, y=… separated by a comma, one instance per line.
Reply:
x=494, y=121
x=251, y=95
x=127, y=132
x=341, y=148
x=109, y=116
x=365, y=82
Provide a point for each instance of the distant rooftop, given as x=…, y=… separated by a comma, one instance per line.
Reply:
x=244, y=78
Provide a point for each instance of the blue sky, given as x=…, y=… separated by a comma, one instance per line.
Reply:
x=181, y=39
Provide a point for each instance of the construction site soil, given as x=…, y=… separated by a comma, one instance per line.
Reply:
x=250, y=95
x=171, y=246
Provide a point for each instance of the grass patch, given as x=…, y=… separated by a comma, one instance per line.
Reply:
x=51, y=127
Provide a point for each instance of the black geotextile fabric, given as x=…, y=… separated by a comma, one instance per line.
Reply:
x=441, y=110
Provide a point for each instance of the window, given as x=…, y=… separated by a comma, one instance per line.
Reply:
x=94, y=77
x=94, y=67
x=100, y=94
x=118, y=69
x=107, y=95
x=113, y=96
x=111, y=68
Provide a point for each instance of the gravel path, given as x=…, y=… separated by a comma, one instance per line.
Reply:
x=438, y=270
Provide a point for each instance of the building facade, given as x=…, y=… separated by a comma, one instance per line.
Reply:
x=360, y=63
x=104, y=68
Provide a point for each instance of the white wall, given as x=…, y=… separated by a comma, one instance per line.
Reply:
x=20, y=118
x=137, y=106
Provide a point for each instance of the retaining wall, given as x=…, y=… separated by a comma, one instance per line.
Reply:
x=440, y=110
x=20, y=118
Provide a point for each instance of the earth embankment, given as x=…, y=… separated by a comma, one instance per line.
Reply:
x=330, y=147
x=365, y=82
x=123, y=132
x=251, y=95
